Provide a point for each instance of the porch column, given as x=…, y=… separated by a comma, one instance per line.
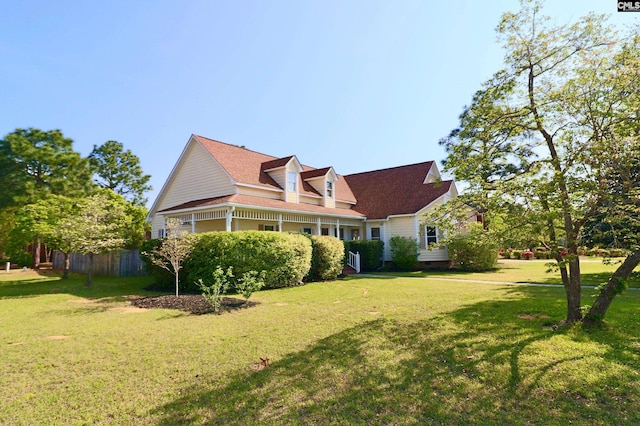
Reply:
x=319, y=227
x=229, y=218
x=279, y=222
x=193, y=223
x=338, y=228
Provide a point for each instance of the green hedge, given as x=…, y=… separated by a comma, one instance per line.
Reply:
x=404, y=253
x=326, y=259
x=474, y=252
x=370, y=253
x=284, y=258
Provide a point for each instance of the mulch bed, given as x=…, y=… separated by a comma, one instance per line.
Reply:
x=191, y=303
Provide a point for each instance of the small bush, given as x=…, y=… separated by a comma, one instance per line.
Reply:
x=603, y=253
x=370, y=253
x=527, y=255
x=474, y=252
x=219, y=284
x=326, y=258
x=506, y=254
x=617, y=252
x=404, y=253
x=517, y=254
x=249, y=283
x=538, y=254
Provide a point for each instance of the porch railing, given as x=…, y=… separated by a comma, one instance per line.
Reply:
x=354, y=261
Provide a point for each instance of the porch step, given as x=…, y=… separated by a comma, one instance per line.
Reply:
x=348, y=270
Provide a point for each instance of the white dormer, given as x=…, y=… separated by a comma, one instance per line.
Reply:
x=433, y=175
x=286, y=172
x=324, y=182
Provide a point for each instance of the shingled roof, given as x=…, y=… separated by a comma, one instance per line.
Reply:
x=395, y=191
x=248, y=167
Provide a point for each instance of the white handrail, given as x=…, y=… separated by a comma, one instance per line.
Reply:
x=354, y=261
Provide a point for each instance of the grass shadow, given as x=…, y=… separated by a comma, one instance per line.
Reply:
x=46, y=283
x=491, y=362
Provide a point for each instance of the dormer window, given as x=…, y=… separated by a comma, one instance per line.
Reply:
x=330, y=189
x=292, y=180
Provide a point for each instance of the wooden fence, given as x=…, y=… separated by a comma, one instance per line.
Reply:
x=123, y=263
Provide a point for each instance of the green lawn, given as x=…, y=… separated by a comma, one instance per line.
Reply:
x=355, y=351
x=594, y=272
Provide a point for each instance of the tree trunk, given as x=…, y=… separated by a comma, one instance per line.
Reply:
x=90, y=270
x=575, y=288
x=177, y=281
x=65, y=270
x=614, y=286
x=36, y=253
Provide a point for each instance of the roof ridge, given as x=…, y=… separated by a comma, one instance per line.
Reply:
x=237, y=146
x=390, y=168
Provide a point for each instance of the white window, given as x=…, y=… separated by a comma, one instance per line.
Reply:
x=160, y=233
x=269, y=228
x=375, y=233
x=430, y=235
x=307, y=231
x=324, y=231
x=330, y=189
x=292, y=180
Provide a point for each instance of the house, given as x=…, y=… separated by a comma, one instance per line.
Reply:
x=215, y=186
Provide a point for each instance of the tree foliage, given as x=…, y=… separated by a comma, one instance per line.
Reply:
x=546, y=144
x=99, y=226
x=119, y=170
x=35, y=163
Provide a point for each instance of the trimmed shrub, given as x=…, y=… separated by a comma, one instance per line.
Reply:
x=592, y=252
x=326, y=258
x=527, y=255
x=517, y=254
x=506, y=254
x=284, y=258
x=370, y=253
x=540, y=254
x=617, y=252
x=404, y=253
x=474, y=252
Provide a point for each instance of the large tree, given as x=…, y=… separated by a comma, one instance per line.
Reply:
x=542, y=141
x=119, y=170
x=35, y=164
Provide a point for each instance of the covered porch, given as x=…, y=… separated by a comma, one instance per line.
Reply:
x=241, y=218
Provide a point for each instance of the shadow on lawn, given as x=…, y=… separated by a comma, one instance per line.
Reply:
x=34, y=283
x=493, y=362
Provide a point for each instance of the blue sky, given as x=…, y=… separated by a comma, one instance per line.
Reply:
x=354, y=84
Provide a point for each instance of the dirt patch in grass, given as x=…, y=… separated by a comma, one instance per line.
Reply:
x=532, y=316
x=191, y=303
